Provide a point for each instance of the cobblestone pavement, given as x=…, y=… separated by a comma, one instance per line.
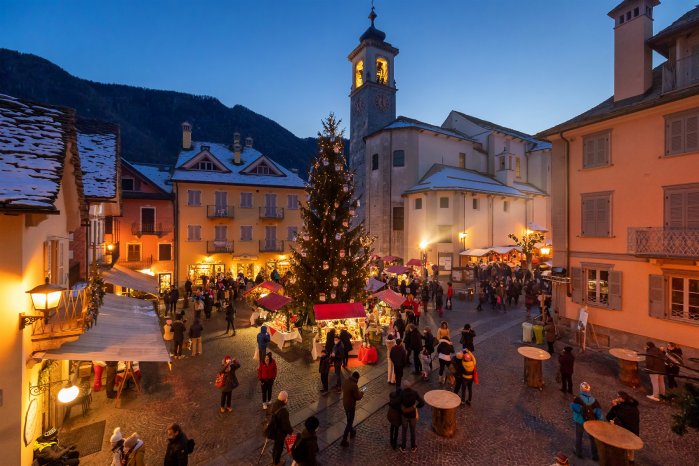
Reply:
x=508, y=423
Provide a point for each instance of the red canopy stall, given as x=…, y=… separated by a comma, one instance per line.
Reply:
x=338, y=316
x=280, y=331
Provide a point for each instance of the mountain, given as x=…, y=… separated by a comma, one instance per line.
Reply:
x=150, y=119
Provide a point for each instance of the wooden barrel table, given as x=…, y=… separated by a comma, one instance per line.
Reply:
x=613, y=442
x=443, y=404
x=628, y=366
x=533, y=372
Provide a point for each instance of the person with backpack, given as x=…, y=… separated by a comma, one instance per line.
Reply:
x=467, y=335
x=305, y=448
x=350, y=395
x=279, y=426
x=585, y=408
x=178, y=446
x=410, y=402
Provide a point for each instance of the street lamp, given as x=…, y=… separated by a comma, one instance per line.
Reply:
x=45, y=298
x=462, y=237
x=423, y=251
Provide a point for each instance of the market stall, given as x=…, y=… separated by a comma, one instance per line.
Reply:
x=373, y=285
x=338, y=316
x=281, y=332
x=263, y=289
x=388, y=300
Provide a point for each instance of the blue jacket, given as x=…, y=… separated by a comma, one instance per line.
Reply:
x=262, y=340
x=588, y=399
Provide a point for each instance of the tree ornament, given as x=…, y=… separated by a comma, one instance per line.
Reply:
x=344, y=272
x=351, y=300
x=321, y=297
x=326, y=266
x=336, y=282
x=338, y=236
x=342, y=253
x=345, y=223
x=303, y=253
x=345, y=188
x=326, y=162
x=338, y=167
x=332, y=295
x=305, y=236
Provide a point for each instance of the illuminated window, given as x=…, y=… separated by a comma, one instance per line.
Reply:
x=518, y=168
x=359, y=73
x=382, y=71
x=462, y=160
x=597, y=287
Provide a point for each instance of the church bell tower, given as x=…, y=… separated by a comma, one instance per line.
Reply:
x=372, y=99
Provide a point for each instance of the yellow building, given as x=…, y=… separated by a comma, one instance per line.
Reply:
x=41, y=201
x=236, y=210
x=625, y=189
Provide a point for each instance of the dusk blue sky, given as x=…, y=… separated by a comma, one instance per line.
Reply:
x=524, y=64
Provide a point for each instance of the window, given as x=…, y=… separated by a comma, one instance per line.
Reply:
x=476, y=203
x=596, y=285
x=621, y=19
x=444, y=233
x=193, y=197
x=596, y=150
x=246, y=200
x=398, y=158
x=292, y=202
x=220, y=233
x=193, y=232
x=359, y=73
x=418, y=203
x=381, y=70
x=246, y=233
x=684, y=298
x=108, y=225
x=165, y=251
x=518, y=168
x=133, y=252
x=682, y=208
x=635, y=12
x=292, y=233
x=128, y=184
x=398, y=218
x=205, y=165
x=443, y=202
x=262, y=169
x=682, y=133
x=502, y=162
x=375, y=162
x=505, y=206
x=596, y=215
x=462, y=160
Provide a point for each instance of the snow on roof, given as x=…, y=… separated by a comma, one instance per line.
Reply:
x=405, y=122
x=236, y=174
x=446, y=178
x=98, y=145
x=33, y=140
x=158, y=174
x=534, y=144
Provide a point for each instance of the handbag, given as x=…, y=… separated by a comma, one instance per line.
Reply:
x=220, y=377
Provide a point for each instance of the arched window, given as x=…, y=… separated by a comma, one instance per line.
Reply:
x=382, y=71
x=359, y=74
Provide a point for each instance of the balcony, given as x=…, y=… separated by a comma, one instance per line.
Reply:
x=272, y=212
x=271, y=246
x=680, y=74
x=219, y=247
x=138, y=264
x=66, y=324
x=663, y=243
x=158, y=229
x=217, y=211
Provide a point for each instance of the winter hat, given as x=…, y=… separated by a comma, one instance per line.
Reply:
x=585, y=387
x=568, y=349
x=283, y=396
x=116, y=436
x=467, y=356
x=355, y=375
x=311, y=424
x=561, y=459
x=131, y=441
x=459, y=355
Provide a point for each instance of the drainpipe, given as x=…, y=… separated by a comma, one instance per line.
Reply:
x=176, y=236
x=567, y=201
x=390, y=195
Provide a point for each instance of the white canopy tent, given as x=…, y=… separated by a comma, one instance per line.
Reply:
x=128, y=278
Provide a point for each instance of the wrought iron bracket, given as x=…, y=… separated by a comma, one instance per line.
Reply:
x=26, y=319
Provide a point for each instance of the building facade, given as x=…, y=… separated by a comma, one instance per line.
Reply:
x=626, y=189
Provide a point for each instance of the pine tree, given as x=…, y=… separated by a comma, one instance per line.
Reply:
x=330, y=262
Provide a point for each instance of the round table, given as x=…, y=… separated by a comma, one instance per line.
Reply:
x=368, y=355
x=533, y=372
x=613, y=442
x=628, y=366
x=443, y=404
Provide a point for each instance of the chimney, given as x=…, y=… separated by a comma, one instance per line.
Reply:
x=633, y=59
x=236, y=151
x=236, y=138
x=248, y=142
x=186, y=135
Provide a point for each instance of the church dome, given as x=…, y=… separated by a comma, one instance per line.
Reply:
x=372, y=32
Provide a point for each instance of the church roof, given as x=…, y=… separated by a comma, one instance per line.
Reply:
x=405, y=122
x=534, y=143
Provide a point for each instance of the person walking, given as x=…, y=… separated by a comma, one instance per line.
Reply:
x=395, y=417
x=177, y=453
x=566, y=361
x=134, y=451
x=468, y=374
x=624, y=413
x=443, y=330
x=467, y=335
x=230, y=381
x=390, y=343
x=188, y=288
x=263, y=339
x=282, y=426
x=550, y=332
x=168, y=336
x=178, y=329
x=444, y=351
x=481, y=298
x=266, y=373
x=426, y=363
x=399, y=327
x=585, y=408
x=117, y=444
x=439, y=300
x=450, y=295
x=346, y=339
x=399, y=358
x=413, y=345
x=673, y=352
x=195, y=334
x=330, y=340
x=350, y=395
x=425, y=297
x=410, y=402
x=306, y=449
x=230, y=317
x=429, y=340
x=655, y=363
x=338, y=357
x=174, y=297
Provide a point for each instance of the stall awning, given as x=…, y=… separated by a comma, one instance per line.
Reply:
x=127, y=329
x=506, y=249
x=390, y=258
x=536, y=227
x=273, y=301
x=269, y=286
x=374, y=285
x=338, y=311
x=128, y=278
x=397, y=269
x=476, y=252
x=414, y=263
x=390, y=297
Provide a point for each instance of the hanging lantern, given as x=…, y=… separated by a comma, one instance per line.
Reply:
x=326, y=266
x=332, y=295
x=344, y=287
x=351, y=300
x=303, y=253
x=345, y=223
x=338, y=167
x=344, y=272
x=326, y=162
x=342, y=253
x=322, y=297
x=292, y=279
x=337, y=204
x=336, y=282
x=305, y=236
x=345, y=188
x=353, y=212
x=338, y=236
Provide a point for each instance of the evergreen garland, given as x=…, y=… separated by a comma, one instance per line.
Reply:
x=330, y=260
x=95, y=291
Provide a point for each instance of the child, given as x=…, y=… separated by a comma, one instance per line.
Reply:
x=426, y=360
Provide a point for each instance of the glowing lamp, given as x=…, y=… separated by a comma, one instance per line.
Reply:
x=423, y=244
x=68, y=394
x=545, y=251
x=45, y=298
x=110, y=247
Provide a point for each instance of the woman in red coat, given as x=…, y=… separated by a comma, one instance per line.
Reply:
x=266, y=373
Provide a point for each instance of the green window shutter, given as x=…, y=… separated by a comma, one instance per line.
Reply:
x=656, y=296
x=576, y=280
x=615, y=290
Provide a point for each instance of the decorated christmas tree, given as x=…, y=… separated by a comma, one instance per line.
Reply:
x=330, y=261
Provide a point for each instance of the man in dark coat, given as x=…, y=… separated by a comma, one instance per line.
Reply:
x=176, y=453
x=410, y=402
x=395, y=417
x=566, y=362
x=230, y=318
x=178, y=329
x=338, y=356
x=624, y=412
x=655, y=363
x=350, y=395
x=309, y=442
x=324, y=369
x=174, y=297
x=280, y=417
x=346, y=339
x=330, y=340
x=467, y=335
x=399, y=358
x=414, y=342
x=399, y=327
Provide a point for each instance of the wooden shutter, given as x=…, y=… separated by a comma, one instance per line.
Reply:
x=614, y=290
x=674, y=210
x=588, y=217
x=602, y=152
x=602, y=216
x=674, y=135
x=576, y=281
x=589, y=152
x=692, y=210
x=656, y=296
x=691, y=133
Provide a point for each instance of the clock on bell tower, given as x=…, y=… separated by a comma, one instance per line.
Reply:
x=372, y=99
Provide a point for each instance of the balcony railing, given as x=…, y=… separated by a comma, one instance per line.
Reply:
x=140, y=229
x=271, y=246
x=66, y=323
x=272, y=212
x=222, y=246
x=138, y=264
x=682, y=73
x=217, y=211
x=663, y=243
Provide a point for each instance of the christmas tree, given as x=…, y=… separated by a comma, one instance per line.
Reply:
x=330, y=261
